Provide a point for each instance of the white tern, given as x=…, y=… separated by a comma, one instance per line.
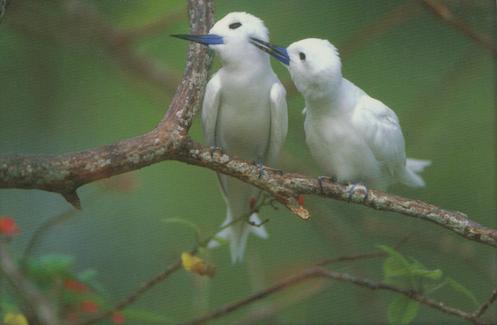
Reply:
x=245, y=113
x=352, y=136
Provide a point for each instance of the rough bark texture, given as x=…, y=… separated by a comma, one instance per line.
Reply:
x=64, y=174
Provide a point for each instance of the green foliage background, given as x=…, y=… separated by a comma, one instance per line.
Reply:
x=62, y=90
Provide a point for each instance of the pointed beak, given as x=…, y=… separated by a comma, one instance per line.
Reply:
x=208, y=39
x=280, y=53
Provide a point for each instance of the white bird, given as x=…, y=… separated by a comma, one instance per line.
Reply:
x=245, y=113
x=352, y=136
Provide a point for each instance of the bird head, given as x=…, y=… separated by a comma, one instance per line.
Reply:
x=314, y=64
x=231, y=37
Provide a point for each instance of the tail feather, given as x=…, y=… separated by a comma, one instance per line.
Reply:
x=417, y=165
x=237, y=234
x=413, y=167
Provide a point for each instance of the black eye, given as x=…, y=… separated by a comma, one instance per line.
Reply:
x=235, y=25
x=302, y=56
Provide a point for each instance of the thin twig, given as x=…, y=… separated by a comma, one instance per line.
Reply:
x=154, y=27
x=37, y=304
x=350, y=258
x=118, y=44
x=43, y=229
x=443, y=12
x=155, y=280
x=317, y=272
x=483, y=308
x=145, y=287
x=383, y=24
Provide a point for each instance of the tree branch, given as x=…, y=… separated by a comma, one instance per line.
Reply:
x=119, y=44
x=317, y=272
x=483, y=308
x=64, y=174
x=145, y=287
x=443, y=12
x=36, y=302
x=285, y=188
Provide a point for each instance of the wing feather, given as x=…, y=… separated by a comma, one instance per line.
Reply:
x=279, y=122
x=210, y=109
x=380, y=127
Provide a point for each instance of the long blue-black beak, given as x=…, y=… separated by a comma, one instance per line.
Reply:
x=280, y=53
x=208, y=39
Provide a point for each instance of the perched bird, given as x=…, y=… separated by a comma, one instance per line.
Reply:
x=352, y=136
x=245, y=113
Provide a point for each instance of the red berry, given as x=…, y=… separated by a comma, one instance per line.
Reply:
x=8, y=226
x=118, y=318
x=88, y=306
x=75, y=286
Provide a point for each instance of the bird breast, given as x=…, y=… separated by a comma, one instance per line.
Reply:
x=243, y=124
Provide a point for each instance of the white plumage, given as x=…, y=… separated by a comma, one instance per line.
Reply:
x=244, y=112
x=351, y=135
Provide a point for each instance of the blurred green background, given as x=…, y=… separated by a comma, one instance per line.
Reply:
x=70, y=80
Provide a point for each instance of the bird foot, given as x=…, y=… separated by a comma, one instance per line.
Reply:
x=358, y=188
x=260, y=166
x=214, y=149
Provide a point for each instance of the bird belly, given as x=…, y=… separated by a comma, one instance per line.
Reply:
x=340, y=152
x=243, y=130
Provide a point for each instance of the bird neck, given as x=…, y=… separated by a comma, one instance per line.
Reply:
x=253, y=64
x=327, y=97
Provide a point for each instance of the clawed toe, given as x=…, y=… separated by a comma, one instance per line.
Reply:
x=213, y=149
x=352, y=188
x=260, y=166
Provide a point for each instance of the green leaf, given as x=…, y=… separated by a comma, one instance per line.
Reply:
x=87, y=275
x=395, y=265
x=463, y=290
x=184, y=222
x=146, y=316
x=402, y=310
x=48, y=267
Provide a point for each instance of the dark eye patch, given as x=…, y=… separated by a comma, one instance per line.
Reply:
x=302, y=56
x=235, y=25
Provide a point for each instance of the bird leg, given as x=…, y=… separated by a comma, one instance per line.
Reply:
x=260, y=165
x=213, y=149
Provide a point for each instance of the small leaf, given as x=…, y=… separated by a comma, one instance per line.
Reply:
x=463, y=290
x=395, y=264
x=49, y=267
x=87, y=275
x=402, y=310
x=418, y=269
x=184, y=222
x=195, y=264
x=429, y=274
x=393, y=267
